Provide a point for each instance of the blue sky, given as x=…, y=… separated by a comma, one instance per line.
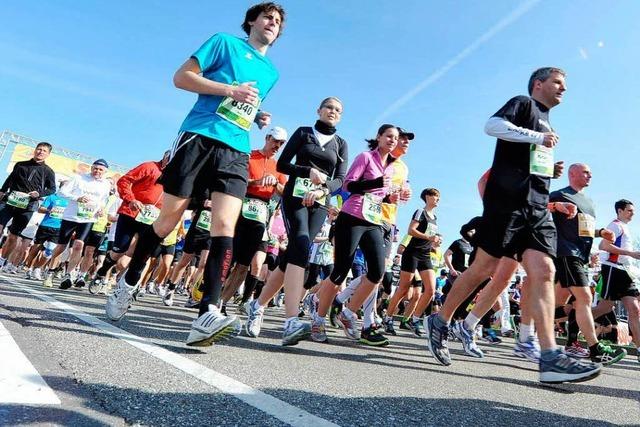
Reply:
x=96, y=77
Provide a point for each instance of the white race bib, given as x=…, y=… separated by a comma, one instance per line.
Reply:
x=586, y=225
x=148, y=214
x=541, y=161
x=372, y=208
x=241, y=114
x=303, y=186
x=18, y=199
x=255, y=210
x=431, y=230
x=56, y=212
x=204, y=221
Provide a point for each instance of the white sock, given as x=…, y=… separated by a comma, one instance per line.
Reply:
x=349, y=290
x=471, y=321
x=369, y=315
x=526, y=332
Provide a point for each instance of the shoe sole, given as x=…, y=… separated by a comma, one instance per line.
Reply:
x=612, y=361
x=558, y=378
x=222, y=335
x=296, y=338
x=95, y=289
x=374, y=343
x=430, y=347
x=524, y=356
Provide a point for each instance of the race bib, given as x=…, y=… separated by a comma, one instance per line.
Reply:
x=586, y=225
x=541, y=161
x=18, y=199
x=148, y=214
x=204, y=221
x=255, y=210
x=303, y=186
x=56, y=212
x=372, y=208
x=86, y=210
x=431, y=230
x=241, y=114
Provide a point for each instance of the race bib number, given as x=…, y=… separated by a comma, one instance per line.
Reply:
x=86, y=210
x=18, y=199
x=303, y=186
x=431, y=230
x=255, y=210
x=541, y=161
x=372, y=208
x=56, y=212
x=466, y=259
x=586, y=225
x=204, y=221
x=241, y=114
x=148, y=214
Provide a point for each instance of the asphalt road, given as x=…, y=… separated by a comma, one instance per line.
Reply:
x=139, y=372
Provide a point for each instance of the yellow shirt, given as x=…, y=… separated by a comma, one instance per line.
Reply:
x=172, y=237
x=400, y=174
x=100, y=226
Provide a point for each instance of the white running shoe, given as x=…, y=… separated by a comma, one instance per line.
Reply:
x=212, y=327
x=168, y=298
x=254, y=318
x=36, y=274
x=27, y=275
x=120, y=301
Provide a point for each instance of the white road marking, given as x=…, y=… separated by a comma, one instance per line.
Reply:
x=20, y=381
x=283, y=411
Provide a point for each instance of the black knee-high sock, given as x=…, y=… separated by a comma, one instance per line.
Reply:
x=216, y=270
x=486, y=319
x=106, y=265
x=259, y=287
x=147, y=242
x=573, y=330
x=249, y=286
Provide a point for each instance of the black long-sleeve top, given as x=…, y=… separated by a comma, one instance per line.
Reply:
x=332, y=159
x=28, y=176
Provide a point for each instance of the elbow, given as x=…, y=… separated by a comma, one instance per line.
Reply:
x=179, y=79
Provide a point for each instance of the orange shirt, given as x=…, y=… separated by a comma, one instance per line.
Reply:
x=259, y=166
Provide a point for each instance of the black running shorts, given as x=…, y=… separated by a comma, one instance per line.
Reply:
x=571, y=271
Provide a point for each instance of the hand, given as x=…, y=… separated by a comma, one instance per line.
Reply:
x=569, y=209
x=263, y=119
x=311, y=197
x=558, y=168
x=405, y=194
x=454, y=273
x=317, y=177
x=207, y=203
x=83, y=199
x=135, y=205
x=550, y=139
x=245, y=93
x=635, y=255
x=436, y=239
x=394, y=197
x=34, y=194
x=268, y=181
x=608, y=235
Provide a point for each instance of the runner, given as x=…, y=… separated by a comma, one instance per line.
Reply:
x=87, y=195
x=516, y=222
x=321, y=162
x=231, y=76
x=28, y=181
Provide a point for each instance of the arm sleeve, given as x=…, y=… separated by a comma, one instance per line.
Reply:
x=126, y=181
x=49, y=185
x=290, y=150
x=341, y=167
x=67, y=191
x=507, y=131
x=8, y=181
x=209, y=54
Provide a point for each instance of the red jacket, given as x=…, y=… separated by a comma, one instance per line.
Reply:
x=140, y=184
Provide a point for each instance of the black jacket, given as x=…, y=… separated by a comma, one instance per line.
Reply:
x=28, y=176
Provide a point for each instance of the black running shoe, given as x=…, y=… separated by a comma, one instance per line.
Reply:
x=336, y=308
x=371, y=336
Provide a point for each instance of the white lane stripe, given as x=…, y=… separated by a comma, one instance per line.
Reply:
x=283, y=411
x=20, y=381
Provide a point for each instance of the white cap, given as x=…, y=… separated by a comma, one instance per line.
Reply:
x=278, y=133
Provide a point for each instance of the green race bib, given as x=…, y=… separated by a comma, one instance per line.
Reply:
x=255, y=210
x=56, y=212
x=204, y=221
x=241, y=114
x=303, y=186
x=148, y=214
x=372, y=208
x=18, y=199
x=541, y=160
x=431, y=230
x=86, y=210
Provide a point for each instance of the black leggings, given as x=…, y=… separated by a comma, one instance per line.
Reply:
x=349, y=233
x=300, y=223
x=314, y=273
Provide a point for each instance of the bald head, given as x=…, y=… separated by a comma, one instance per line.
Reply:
x=579, y=176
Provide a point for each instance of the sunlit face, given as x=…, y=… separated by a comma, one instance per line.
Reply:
x=388, y=140
x=330, y=112
x=580, y=175
x=272, y=145
x=402, y=147
x=266, y=28
x=432, y=201
x=551, y=90
x=98, y=171
x=41, y=153
x=625, y=215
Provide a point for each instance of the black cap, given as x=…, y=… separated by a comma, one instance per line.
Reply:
x=409, y=135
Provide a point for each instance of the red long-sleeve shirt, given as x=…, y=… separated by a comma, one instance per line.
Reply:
x=140, y=184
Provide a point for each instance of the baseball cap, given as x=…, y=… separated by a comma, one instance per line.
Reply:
x=278, y=133
x=409, y=135
x=101, y=162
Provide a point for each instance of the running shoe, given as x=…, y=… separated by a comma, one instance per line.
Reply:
x=9, y=268
x=563, y=368
x=295, y=332
x=467, y=339
x=242, y=309
x=151, y=288
x=162, y=291
x=388, y=326
x=119, y=302
x=577, y=351
x=312, y=305
x=66, y=282
x=508, y=334
x=27, y=275
x=404, y=324
x=2, y=262
x=48, y=281
x=336, y=308
x=36, y=274
x=223, y=309
x=416, y=327
x=191, y=303
x=607, y=355
x=168, y=299
x=255, y=316
x=318, y=331
x=371, y=336
x=529, y=350
x=79, y=283
x=490, y=337
x=211, y=327
x=349, y=323
x=96, y=285
x=279, y=300
x=59, y=274
x=437, y=340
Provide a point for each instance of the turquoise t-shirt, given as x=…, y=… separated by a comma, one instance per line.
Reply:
x=56, y=206
x=228, y=59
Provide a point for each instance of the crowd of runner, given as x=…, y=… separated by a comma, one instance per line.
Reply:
x=315, y=229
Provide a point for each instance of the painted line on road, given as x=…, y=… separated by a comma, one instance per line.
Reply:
x=277, y=408
x=20, y=381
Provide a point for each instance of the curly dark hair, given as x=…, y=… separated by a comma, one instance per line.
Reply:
x=255, y=11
